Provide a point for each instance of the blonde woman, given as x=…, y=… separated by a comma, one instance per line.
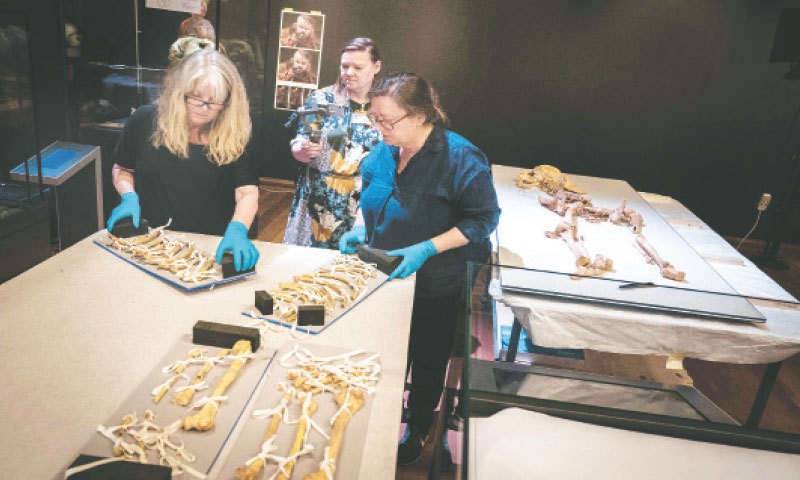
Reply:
x=185, y=157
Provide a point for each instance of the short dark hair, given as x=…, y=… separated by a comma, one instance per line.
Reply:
x=412, y=93
x=361, y=44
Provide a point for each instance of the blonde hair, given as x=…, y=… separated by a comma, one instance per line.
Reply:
x=230, y=132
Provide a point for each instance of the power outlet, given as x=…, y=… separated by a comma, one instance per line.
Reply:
x=764, y=202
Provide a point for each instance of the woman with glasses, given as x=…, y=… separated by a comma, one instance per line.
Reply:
x=427, y=197
x=184, y=158
x=333, y=136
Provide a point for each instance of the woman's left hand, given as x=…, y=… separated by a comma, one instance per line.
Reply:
x=413, y=258
x=245, y=254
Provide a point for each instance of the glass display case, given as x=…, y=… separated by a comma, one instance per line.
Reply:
x=117, y=54
x=24, y=212
x=569, y=390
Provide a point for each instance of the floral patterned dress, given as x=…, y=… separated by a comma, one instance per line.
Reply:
x=328, y=188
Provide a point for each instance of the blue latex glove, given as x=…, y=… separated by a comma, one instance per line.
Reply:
x=128, y=207
x=245, y=254
x=350, y=240
x=413, y=258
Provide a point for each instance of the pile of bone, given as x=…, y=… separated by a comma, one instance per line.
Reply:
x=169, y=252
x=334, y=286
x=312, y=382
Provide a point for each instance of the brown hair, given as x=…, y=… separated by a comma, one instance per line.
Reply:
x=360, y=44
x=412, y=93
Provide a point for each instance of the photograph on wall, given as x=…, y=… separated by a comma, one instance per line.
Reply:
x=299, y=56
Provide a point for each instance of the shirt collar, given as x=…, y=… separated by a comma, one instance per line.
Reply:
x=436, y=142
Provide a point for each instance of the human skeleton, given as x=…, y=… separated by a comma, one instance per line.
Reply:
x=571, y=202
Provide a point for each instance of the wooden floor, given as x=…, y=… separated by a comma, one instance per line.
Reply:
x=730, y=386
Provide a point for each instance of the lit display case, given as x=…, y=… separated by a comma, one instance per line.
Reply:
x=24, y=212
x=117, y=54
x=490, y=403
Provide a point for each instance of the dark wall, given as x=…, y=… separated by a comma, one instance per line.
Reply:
x=677, y=98
x=45, y=41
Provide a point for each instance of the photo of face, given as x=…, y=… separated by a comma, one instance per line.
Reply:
x=298, y=66
x=301, y=64
x=299, y=54
x=303, y=29
x=301, y=32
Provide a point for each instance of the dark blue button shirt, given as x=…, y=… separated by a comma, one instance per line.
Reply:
x=446, y=184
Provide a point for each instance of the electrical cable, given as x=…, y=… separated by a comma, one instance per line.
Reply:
x=758, y=217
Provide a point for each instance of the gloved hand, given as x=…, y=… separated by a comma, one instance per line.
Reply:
x=245, y=254
x=128, y=207
x=413, y=258
x=351, y=239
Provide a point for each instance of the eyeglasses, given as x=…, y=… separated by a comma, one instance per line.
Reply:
x=387, y=124
x=200, y=103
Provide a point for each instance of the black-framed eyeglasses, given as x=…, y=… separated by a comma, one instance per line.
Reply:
x=387, y=124
x=199, y=103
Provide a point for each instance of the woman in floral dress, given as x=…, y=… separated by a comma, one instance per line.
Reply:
x=330, y=144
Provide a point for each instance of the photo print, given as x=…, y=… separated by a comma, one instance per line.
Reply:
x=299, y=56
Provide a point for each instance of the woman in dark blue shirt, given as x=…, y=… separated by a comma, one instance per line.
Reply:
x=427, y=196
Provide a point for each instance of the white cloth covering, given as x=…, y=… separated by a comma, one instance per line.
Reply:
x=558, y=324
x=516, y=444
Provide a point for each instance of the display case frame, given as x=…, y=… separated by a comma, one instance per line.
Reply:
x=484, y=391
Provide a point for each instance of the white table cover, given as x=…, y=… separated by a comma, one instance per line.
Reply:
x=559, y=324
x=516, y=444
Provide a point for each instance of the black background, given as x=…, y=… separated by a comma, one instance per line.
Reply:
x=678, y=98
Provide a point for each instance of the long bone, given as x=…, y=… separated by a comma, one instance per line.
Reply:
x=252, y=470
x=298, y=447
x=204, y=420
x=667, y=269
x=349, y=401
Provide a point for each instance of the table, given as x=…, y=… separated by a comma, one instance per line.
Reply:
x=80, y=331
x=557, y=324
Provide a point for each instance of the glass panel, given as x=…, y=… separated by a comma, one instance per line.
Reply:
x=629, y=294
x=592, y=392
x=112, y=70
x=16, y=98
x=567, y=386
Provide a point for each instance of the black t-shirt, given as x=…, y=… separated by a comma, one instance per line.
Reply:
x=195, y=193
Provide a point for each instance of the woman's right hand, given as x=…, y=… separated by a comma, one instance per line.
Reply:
x=311, y=149
x=304, y=150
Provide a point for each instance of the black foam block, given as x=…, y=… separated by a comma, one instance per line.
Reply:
x=311, y=315
x=385, y=263
x=228, y=269
x=121, y=470
x=224, y=335
x=124, y=228
x=264, y=302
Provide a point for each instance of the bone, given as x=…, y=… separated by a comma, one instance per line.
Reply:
x=183, y=397
x=252, y=471
x=176, y=374
x=309, y=407
x=349, y=401
x=204, y=420
x=668, y=270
